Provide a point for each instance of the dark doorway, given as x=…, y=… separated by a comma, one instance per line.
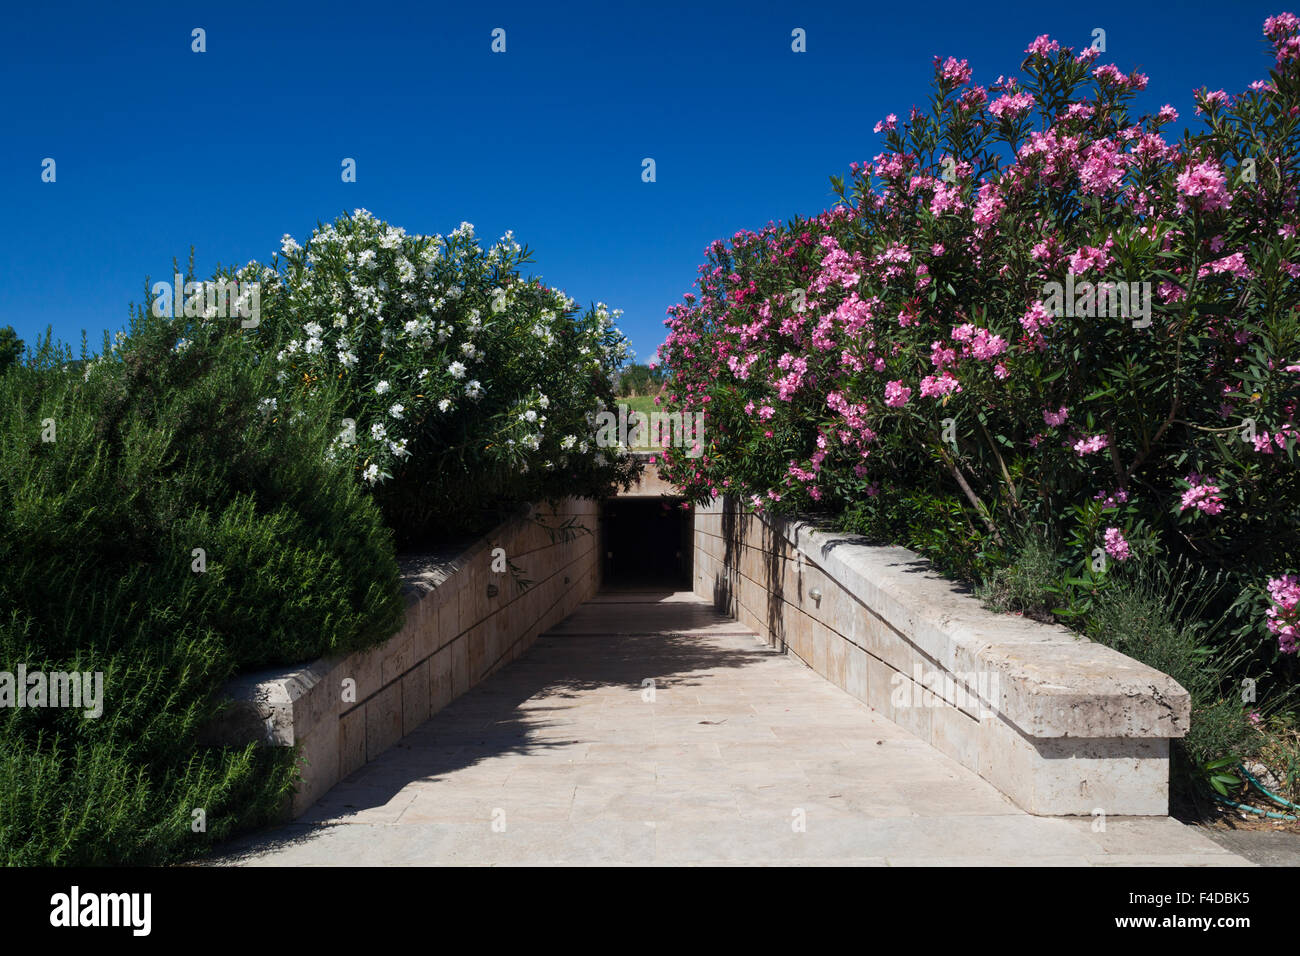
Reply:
x=647, y=543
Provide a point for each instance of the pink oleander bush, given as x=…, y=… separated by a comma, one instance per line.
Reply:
x=940, y=360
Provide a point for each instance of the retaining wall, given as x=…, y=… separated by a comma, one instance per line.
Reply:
x=1060, y=724
x=463, y=622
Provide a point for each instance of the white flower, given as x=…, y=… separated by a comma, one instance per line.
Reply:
x=312, y=346
x=267, y=405
x=312, y=329
x=569, y=442
x=366, y=259
x=529, y=416
x=544, y=402
x=398, y=448
x=396, y=410
x=381, y=388
x=424, y=373
x=444, y=404
x=347, y=359
x=468, y=349
x=456, y=369
x=474, y=389
x=287, y=245
x=371, y=474
x=378, y=432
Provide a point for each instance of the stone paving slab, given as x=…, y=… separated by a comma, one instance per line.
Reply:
x=736, y=754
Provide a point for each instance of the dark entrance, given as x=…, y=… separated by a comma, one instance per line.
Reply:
x=647, y=543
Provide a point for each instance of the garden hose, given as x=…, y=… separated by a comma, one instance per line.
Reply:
x=1265, y=813
x=1268, y=793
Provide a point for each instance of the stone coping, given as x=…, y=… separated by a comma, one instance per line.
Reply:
x=462, y=623
x=1051, y=681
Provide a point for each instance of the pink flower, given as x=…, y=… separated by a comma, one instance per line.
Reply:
x=1234, y=264
x=1204, y=181
x=1201, y=495
x=1036, y=317
x=1284, y=615
x=985, y=346
x=1089, y=257
x=1108, y=74
x=1103, y=168
x=1213, y=100
x=1086, y=446
x=990, y=206
x=1281, y=25
x=954, y=70
x=940, y=356
x=946, y=197
x=897, y=394
x=838, y=267
x=1116, y=546
x=1112, y=500
x=888, y=123
x=1057, y=418
x=1012, y=106
x=934, y=385
x=1042, y=46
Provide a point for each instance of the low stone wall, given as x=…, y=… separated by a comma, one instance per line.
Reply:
x=463, y=622
x=1060, y=724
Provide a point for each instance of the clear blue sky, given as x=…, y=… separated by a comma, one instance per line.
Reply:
x=159, y=148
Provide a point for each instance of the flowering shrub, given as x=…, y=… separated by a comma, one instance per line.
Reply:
x=462, y=386
x=1284, y=614
x=1032, y=310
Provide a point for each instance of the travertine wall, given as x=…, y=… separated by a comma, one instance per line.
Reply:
x=463, y=622
x=649, y=485
x=1060, y=724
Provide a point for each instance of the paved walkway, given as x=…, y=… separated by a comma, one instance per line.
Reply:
x=737, y=754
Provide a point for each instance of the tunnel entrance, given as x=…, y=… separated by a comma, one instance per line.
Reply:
x=647, y=543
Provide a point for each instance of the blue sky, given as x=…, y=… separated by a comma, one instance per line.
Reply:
x=159, y=148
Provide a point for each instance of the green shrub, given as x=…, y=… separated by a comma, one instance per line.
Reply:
x=163, y=446
x=1029, y=584
x=1158, y=615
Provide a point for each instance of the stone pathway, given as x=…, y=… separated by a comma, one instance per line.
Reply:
x=735, y=755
